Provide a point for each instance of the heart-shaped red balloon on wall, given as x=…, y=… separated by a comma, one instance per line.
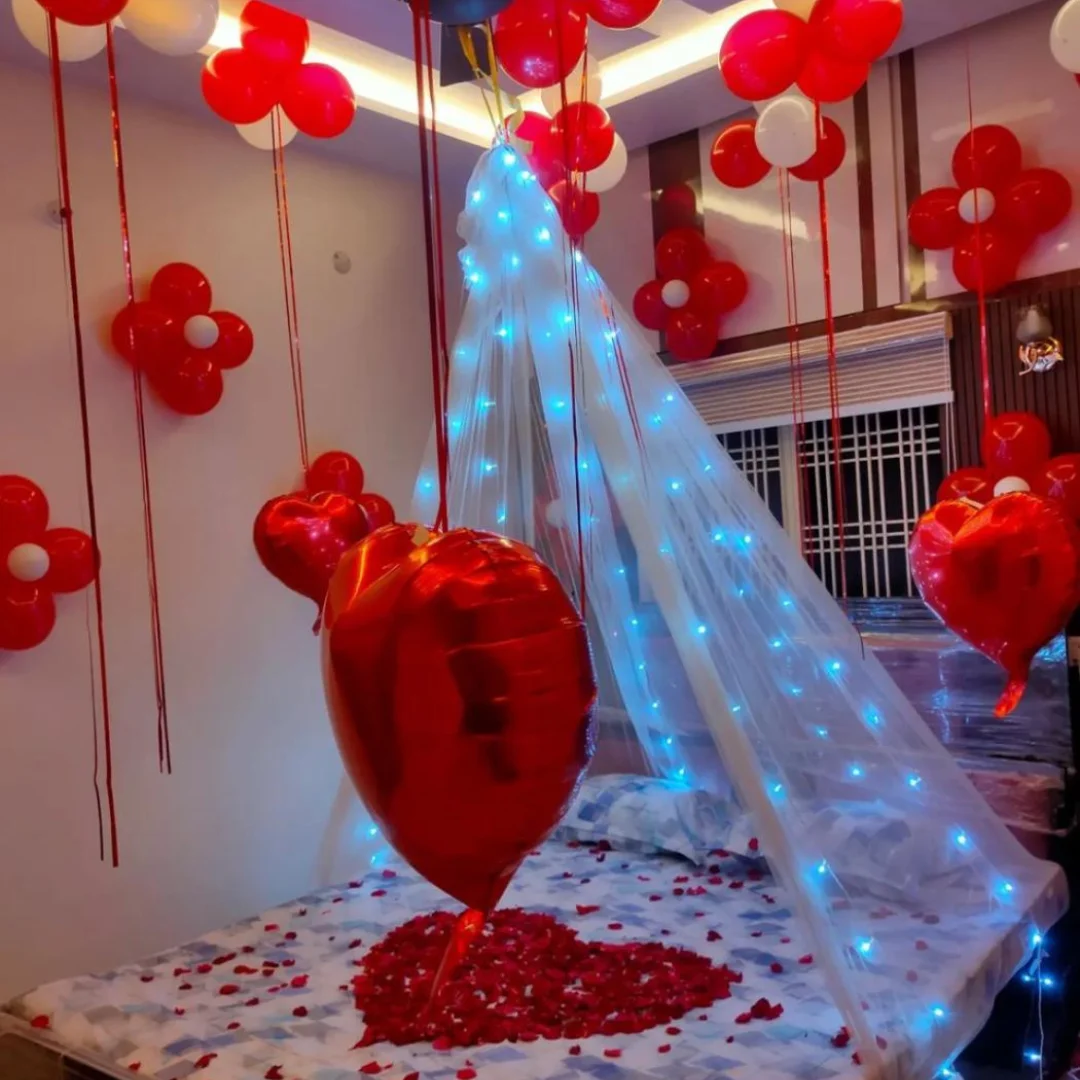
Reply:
x=1004, y=577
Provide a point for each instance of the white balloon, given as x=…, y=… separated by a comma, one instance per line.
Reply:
x=793, y=92
x=1008, y=484
x=551, y=96
x=802, y=8
x=977, y=205
x=675, y=294
x=28, y=562
x=260, y=134
x=785, y=132
x=76, y=42
x=172, y=27
x=1065, y=36
x=605, y=177
x=201, y=332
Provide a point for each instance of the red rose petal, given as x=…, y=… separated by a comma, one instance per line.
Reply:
x=40, y=1022
x=776, y=968
x=298, y=982
x=466, y=1074
x=665, y=1049
x=614, y=925
x=730, y=1039
x=371, y=1068
x=355, y=943
x=229, y=988
x=233, y=1026
x=270, y=927
x=179, y=1011
x=807, y=959
x=300, y=1010
x=753, y=845
x=378, y=892
x=251, y=1002
x=204, y=1061
x=575, y=1051
x=184, y=986
x=672, y=1031
x=135, y=1066
x=743, y=1018
x=612, y=1053
x=921, y=945
x=442, y=1043
x=587, y=909
x=714, y=935
x=274, y=1073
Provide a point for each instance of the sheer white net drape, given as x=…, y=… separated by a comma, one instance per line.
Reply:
x=718, y=649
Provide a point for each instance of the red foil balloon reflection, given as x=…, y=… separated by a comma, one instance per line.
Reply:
x=1004, y=577
x=461, y=689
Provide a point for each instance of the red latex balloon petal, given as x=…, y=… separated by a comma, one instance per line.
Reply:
x=622, y=14
x=1059, y=479
x=531, y=126
x=319, y=100
x=27, y=615
x=462, y=694
x=680, y=254
x=24, y=512
x=1037, y=201
x=692, y=334
x=1015, y=444
x=857, y=30
x=377, y=510
x=191, y=388
x=828, y=78
x=582, y=136
x=989, y=157
x=829, y=155
x=735, y=159
x=146, y=335
x=763, y=53
x=238, y=86
x=278, y=38
x=719, y=287
x=73, y=562
x=934, y=221
x=649, y=307
x=539, y=42
x=335, y=471
x=235, y=342
x=84, y=12
x=974, y=484
x=989, y=256
x=182, y=290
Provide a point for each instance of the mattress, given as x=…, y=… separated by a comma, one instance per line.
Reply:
x=271, y=996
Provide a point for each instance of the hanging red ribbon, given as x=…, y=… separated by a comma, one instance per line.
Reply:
x=984, y=340
x=163, y=740
x=102, y=747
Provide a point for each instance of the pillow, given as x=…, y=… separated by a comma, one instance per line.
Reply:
x=649, y=815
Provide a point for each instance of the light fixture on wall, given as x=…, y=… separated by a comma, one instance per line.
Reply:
x=1039, y=350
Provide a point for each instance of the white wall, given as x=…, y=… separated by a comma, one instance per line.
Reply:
x=241, y=823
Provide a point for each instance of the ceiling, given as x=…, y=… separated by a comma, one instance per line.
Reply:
x=660, y=79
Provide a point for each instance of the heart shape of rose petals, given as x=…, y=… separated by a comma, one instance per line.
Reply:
x=1004, y=577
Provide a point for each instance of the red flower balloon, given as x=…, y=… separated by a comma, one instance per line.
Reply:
x=462, y=693
x=830, y=78
x=649, y=307
x=238, y=86
x=539, y=42
x=989, y=157
x=621, y=14
x=719, y=287
x=987, y=258
x=84, y=12
x=857, y=30
x=973, y=483
x=582, y=136
x=319, y=100
x=336, y=471
x=735, y=159
x=1015, y=444
x=934, y=220
x=1059, y=479
x=35, y=563
x=278, y=38
x=829, y=155
x=763, y=54
x=692, y=333
x=579, y=210
x=680, y=254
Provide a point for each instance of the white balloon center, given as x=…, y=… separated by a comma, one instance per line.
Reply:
x=28, y=562
x=675, y=294
x=977, y=205
x=1009, y=484
x=201, y=332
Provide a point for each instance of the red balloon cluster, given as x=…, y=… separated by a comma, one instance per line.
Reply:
x=737, y=162
x=84, y=12
x=690, y=295
x=35, y=563
x=182, y=346
x=995, y=211
x=828, y=56
x=242, y=85
x=301, y=537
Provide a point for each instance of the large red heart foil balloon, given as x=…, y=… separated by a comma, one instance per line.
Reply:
x=1005, y=577
x=301, y=539
x=462, y=693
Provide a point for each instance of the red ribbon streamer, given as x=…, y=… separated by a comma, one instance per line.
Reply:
x=163, y=739
x=984, y=341
x=104, y=750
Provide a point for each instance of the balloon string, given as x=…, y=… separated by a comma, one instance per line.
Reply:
x=164, y=742
x=984, y=340
x=421, y=18
x=102, y=752
x=834, y=387
x=288, y=281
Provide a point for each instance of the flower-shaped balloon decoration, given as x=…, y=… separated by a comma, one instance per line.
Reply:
x=690, y=295
x=35, y=563
x=243, y=85
x=994, y=213
x=179, y=343
x=787, y=135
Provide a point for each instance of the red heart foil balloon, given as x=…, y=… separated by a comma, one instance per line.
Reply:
x=300, y=540
x=1004, y=577
x=461, y=690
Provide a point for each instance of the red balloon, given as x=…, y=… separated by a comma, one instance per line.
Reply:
x=1059, y=479
x=27, y=614
x=277, y=38
x=735, y=159
x=829, y=155
x=649, y=307
x=84, y=12
x=989, y=157
x=1015, y=444
x=1037, y=201
x=462, y=695
x=145, y=334
x=989, y=256
x=829, y=78
x=182, y=290
x=692, y=333
x=539, y=42
x=549, y=172
x=974, y=484
x=621, y=14
x=73, y=561
x=677, y=205
x=763, y=54
x=680, y=254
x=1005, y=577
x=582, y=136
x=319, y=100
x=719, y=287
x=857, y=30
x=300, y=540
x=579, y=210
x=192, y=387
x=238, y=86
x=335, y=471
x=530, y=126
x=235, y=341
x=934, y=220
x=24, y=512
x=378, y=510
